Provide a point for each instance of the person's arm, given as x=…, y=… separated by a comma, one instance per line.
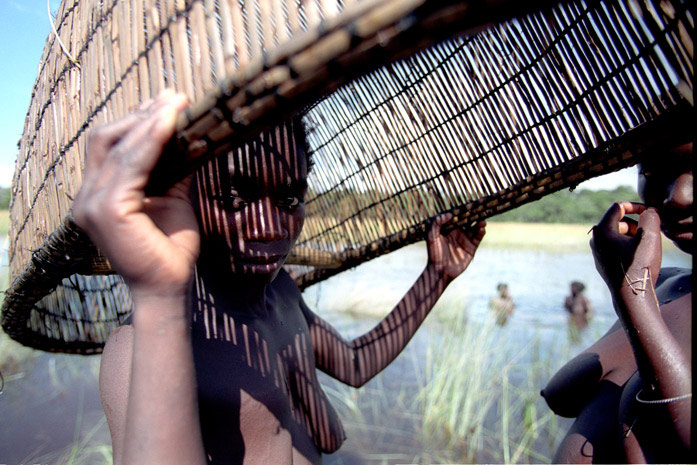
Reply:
x=629, y=258
x=510, y=306
x=356, y=362
x=153, y=243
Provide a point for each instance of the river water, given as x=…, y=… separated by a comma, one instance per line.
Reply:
x=538, y=281
x=50, y=410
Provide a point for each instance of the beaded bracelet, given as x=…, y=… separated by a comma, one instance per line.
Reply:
x=661, y=401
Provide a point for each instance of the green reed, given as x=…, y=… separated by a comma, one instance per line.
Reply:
x=473, y=397
x=481, y=401
x=458, y=392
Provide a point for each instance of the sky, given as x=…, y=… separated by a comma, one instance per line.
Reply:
x=24, y=28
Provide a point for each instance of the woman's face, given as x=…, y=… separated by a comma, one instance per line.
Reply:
x=665, y=183
x=251, y=205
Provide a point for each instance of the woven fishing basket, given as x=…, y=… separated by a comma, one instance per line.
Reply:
x=414, y=108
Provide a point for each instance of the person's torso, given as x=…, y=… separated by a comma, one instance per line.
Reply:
x=612, y=412
x=259, y=397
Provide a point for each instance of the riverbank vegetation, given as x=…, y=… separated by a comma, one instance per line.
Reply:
x=569, y=207
x=4, y=223
x=4, y=198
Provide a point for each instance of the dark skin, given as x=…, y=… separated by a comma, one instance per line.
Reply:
x=219, y=363
x=648, y=351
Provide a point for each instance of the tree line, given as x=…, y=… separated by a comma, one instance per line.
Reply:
x=579, y=206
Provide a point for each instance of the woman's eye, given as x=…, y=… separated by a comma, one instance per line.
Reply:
x=290, y=202
x=235, y=200
x=232, y=200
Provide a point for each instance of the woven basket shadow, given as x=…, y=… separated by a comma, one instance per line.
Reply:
x=415, y=107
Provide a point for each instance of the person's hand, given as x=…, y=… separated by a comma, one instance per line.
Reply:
x=153, y=242
x=628, y=254
x=451, y=254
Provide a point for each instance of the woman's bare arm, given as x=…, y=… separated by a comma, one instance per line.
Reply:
x=628, y=257
x=356, y=362
x=114, y=384
x=153, y=243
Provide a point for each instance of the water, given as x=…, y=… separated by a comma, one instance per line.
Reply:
x=537, y=280
x=50, y=404
x=50, y=400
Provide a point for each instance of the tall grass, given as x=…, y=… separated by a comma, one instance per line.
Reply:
x=481, y=401
x=85, y=450
x=473, y=398
x=458, y=394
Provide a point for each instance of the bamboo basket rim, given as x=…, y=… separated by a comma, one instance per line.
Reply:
x=291, y=78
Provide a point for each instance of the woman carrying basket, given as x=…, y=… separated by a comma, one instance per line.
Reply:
x=219, y=363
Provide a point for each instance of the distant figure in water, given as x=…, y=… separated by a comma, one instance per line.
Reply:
x=578, y=306
x=631, y=391
x=502, y=305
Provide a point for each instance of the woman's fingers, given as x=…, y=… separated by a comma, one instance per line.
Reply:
x=650, y=223
x=137, y=153
x=615, y=221
x=628, y=226
x=472, y=235
x=120, y=153
x=477, y=231
x=479, y=234
x=438, y=222
x=465, y=241
x=131, y=160
x=632, y=208
x=102, y=139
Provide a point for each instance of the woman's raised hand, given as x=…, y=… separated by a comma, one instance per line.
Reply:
x=450, y=254
x=628, y=253
x=153, y=242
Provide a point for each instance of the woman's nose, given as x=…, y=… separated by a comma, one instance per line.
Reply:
x=265, y=222
x=680, y=192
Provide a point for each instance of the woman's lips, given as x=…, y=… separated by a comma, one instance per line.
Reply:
x=261, y=264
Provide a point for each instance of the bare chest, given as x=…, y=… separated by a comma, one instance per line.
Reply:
x=258, y=391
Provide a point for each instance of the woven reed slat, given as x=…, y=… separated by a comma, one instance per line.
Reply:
x=477, y=124
x=617, y=154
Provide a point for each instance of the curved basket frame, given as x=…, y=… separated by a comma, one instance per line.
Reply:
x=293, y=77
